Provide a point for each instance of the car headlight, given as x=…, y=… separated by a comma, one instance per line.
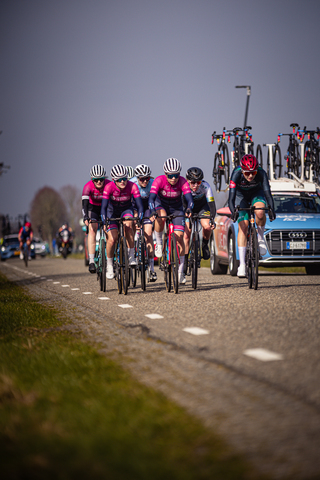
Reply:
x=43, y=247
x=3, y=249
x=32, y=247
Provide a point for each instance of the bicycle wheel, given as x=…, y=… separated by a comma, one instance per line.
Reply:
x=195, y=259
x=226, y=164
x=25, y=254
x=165, y=263
x=174, y=261
x=277, y=162
x=103, y=272
x=249, y=260
x=143, y=261
x=254, y=257
x=124, y=265
x=236, y=157
x=117, y=265
x=217, y=172
x=259, y=156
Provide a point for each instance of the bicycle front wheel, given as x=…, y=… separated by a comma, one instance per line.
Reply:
x=195, y=259
x=124, y=265
x=254, y=255
x=143, y=262
x=103, y=272
x=165, y=264
x=25, y=255
x=174, y=261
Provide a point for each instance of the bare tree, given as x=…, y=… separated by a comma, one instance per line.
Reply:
x=72, y=199
x=47, y=212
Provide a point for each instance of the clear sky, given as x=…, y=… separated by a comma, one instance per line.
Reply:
x=138, y=81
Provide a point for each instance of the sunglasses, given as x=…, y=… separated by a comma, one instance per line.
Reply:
x=195, y=183
x=123, y=179
x=99, y=179
x=173, y=175
x=144, y=179
x=246, y=174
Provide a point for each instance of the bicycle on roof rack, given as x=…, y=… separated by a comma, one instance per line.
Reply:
x=311, y=155
x=292, y=157
x=221, y=163
x=274, y=166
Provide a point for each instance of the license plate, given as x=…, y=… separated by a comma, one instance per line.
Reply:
x=298, y=245
x=17, y=252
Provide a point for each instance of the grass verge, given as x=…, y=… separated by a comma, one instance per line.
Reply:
x=67, y=412
x=206, y=264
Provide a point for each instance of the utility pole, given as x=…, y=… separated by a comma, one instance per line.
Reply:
x=247, y=105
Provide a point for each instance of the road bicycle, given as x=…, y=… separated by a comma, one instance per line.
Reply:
x=194, y=257
x=252, y=250
x=221, y=163
x=142, y=268
x=242, y=144
x=25, y=253
x=276, y=160
x=292, y=157
x=311, y=155
x=121, y=260
x=170, y=260
x=100, y=255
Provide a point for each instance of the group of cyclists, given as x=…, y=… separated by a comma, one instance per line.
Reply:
x=133, y=194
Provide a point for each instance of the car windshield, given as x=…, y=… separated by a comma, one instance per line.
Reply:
x=10, y=241
x=303, y=203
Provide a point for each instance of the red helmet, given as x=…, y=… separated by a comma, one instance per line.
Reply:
x=248, y=163
x=27, y=224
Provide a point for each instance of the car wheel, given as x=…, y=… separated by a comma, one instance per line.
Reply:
x=215, y=267
x=232, y=255
x=313, y=269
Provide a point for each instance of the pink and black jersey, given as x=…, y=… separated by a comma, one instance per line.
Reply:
x=170, y=195
x=121, y=198
x=91, y=193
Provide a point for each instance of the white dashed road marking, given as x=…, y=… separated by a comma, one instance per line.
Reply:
x=125, y=305
x=55, y=283
x=103, y=298
x=87, y=293
x=153, y=316
x=196, y=331
x=263, y=354
x=75, y=288
x=65, y=285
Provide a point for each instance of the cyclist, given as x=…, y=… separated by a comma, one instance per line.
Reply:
x=144, y=182
x=116, y=203
x=204, y=204
x=25, y=236
x=130, y=171
x=65, y=234
x=249, y=185
x=91, y=207
x=166, y=199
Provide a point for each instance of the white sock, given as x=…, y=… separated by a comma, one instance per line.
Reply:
x=181, y=264
x=242, y=255
x=131, y=252
x=158, y=238
x=151, y=264
x=260, y=233
x=109, y=262
x=91, y=257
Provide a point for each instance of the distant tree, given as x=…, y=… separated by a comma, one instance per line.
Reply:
x=47, y=212
x=71, y=196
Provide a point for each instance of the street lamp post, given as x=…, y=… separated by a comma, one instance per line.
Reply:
x=247, y=105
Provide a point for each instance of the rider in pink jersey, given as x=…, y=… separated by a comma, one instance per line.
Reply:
x=91, y=207
x=117, y=203
x=166, y=199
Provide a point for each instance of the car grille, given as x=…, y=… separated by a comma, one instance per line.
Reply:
x=277, y=242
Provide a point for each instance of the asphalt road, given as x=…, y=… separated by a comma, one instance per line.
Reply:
x=246, y=362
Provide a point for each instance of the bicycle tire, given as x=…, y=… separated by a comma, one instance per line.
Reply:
x=254, y=258
x=25, y=254
x=174, y=260
x=143, y=262
x=216, y=175
x=226, y=160
x=117, y=265
x=277, y=162
x=259, y=155
x=195, y=259
x=236, y=157
x=124, y=265
x=166, y=264
x=103, y=272
x=248, y=259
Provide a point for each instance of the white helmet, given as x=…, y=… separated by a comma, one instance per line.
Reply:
x=172, y=165
x=130, y=172
x=118, y=171
x=142, y=170
x=98, y=171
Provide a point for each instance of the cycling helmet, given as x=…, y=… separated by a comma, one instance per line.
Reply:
x=27, y=224
x=194, y=174
x=130, y=172
x=118, y=171
x=172, y=165
x=142, y=171
x=248, y=163
x=97, y=171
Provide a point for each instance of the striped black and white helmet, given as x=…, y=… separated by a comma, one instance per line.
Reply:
x=118, y=171
x=98, y=171
x=142, y=170
x=130, y=172
x=172, y=165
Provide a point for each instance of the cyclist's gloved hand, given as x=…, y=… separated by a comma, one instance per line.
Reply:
x=212, y=222
x=153, y=213
x=272, y=214
x=188, y=211
x=235, y=215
